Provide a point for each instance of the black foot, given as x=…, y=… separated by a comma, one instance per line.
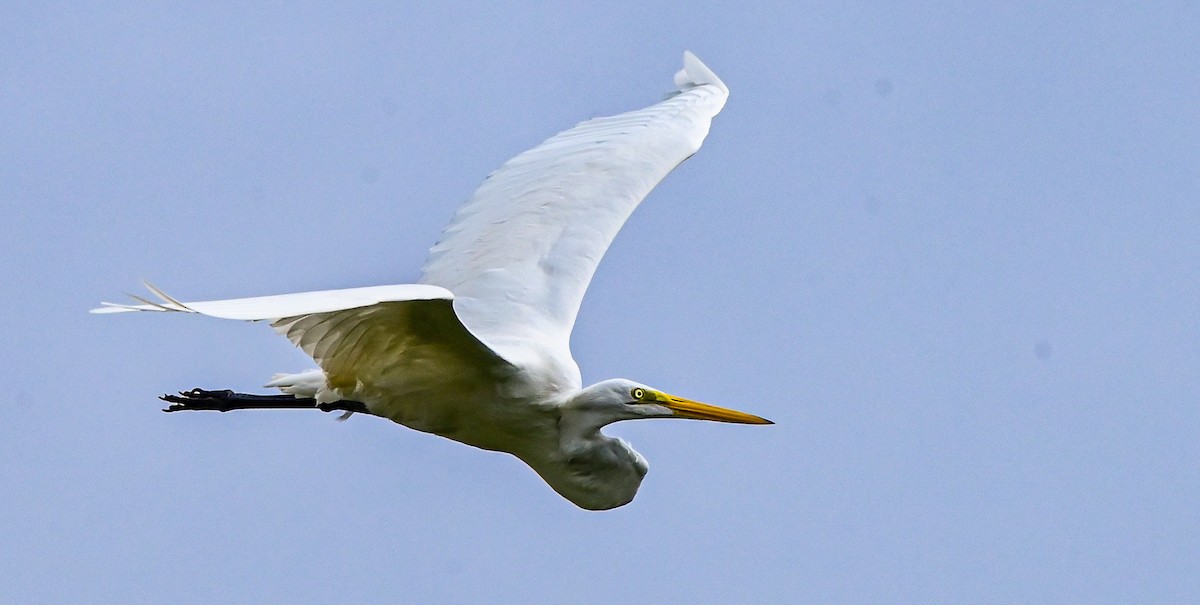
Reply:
x=199, y=399
x=226, y=400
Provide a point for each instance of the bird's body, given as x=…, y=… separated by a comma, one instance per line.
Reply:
x=478, y=352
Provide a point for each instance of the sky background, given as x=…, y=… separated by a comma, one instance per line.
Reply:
x=950, y=248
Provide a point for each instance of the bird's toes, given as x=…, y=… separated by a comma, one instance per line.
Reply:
x=194, y=399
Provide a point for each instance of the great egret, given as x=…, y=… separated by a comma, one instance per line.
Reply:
x=478, y=351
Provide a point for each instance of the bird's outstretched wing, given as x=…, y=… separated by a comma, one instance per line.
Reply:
x=519, y=254
x=356, y=335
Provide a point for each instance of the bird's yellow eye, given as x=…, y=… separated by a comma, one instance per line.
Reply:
x=638, y=394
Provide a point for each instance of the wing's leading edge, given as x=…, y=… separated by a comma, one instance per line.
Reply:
x=284, y=305
x=519, y=254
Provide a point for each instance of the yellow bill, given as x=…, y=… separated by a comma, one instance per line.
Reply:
x=686, y=408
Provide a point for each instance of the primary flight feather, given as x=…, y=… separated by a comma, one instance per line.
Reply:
x=479, y=350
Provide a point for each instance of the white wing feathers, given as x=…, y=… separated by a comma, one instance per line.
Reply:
x=520, y=253
x=695, y=73
x=517, y=257
x=355, y=335
x=284, y=305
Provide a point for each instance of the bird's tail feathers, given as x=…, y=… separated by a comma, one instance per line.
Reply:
x=305, y=384
x=310, y=384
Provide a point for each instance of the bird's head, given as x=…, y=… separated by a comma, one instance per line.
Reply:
x=620, y=399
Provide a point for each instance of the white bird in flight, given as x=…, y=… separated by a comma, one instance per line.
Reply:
x=478, y=351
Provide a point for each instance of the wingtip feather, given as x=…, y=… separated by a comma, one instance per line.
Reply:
x=107, y=307
x=172, y=303
x=696, y=73
x=167, y=303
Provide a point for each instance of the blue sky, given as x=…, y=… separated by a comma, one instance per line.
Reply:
x=950, y=248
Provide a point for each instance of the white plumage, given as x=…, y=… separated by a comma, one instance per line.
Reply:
x=479, y=350
x=520, y=253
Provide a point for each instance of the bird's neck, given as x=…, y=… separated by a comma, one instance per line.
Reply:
x=593, y=471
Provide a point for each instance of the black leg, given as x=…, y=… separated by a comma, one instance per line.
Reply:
x=226, y=400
